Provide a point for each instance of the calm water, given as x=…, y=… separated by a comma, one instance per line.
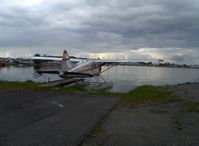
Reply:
x=124, y=78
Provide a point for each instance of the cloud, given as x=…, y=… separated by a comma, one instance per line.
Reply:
x=101, y=26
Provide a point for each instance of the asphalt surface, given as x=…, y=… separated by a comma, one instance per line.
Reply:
x=41, y=118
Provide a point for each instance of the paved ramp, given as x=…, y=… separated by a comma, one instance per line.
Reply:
x=31, y=118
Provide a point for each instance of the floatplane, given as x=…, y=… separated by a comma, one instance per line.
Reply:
x=76, y=70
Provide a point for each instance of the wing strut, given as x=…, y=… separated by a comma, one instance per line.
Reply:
x=107, y=69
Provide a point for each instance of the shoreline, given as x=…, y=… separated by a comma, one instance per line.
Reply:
x=29, y=84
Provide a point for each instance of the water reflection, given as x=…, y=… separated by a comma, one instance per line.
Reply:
x=13, y=73
x=124, y=77
x=128, y=77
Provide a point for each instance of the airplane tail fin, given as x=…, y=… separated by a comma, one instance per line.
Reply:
x=65, y=64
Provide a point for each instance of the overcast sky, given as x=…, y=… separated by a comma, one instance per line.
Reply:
x=166, y=29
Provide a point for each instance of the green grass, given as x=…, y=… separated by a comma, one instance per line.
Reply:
x=190, y=106
x=14, y=85
x=141, y=95
x=20, y=85
x=148, y=95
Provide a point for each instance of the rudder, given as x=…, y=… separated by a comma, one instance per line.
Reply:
x=66, y=63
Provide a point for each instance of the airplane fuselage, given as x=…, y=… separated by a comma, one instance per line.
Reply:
x=90, y=67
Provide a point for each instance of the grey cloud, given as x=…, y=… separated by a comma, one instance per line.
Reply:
x=161, y=24
x=185, y=58
x=99, y=24
x=178, y=58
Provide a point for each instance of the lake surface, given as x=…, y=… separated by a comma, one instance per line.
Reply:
x=124, y=78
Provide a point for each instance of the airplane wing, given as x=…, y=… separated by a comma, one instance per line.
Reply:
x=124, y=61
x=96, y=60
x=47, y=58
x=74, y=60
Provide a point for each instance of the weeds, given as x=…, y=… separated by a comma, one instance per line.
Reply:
x=148, y=95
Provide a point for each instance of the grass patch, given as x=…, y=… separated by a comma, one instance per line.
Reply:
x=20, y=85
x=68, y=90
x=148, y=95
x=144, y=94
x=190, y=106
x=15, y=85
x=141, y=95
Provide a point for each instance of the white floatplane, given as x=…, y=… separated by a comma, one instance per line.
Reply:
x=82, y=70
